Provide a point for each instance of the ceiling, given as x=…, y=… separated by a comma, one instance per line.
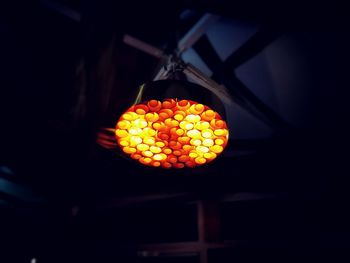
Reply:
x=66, y=72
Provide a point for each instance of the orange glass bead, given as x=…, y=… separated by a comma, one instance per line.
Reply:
x=154, y=105
x=141, y=109
x=183, y=105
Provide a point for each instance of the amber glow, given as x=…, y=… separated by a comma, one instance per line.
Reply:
x=171, y=133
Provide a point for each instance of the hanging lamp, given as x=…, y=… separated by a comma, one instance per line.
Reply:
x=173, y=124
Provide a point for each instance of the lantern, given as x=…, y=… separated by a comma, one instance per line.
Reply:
x=165, y=129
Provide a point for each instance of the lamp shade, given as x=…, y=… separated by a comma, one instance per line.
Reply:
x=173, y=124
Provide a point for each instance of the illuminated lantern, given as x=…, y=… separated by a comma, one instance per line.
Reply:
x=171, y=133
x=164, y=128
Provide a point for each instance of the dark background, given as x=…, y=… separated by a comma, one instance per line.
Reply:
x=61, y=80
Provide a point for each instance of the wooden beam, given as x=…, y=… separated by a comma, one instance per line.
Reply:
x=143, y=46
x=196, y=32
x=241, y=94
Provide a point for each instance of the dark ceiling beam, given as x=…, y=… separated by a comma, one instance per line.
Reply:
x=143, y=46
x=252, y=47
x=196, y=32
x=256, y=106
x=239, y=92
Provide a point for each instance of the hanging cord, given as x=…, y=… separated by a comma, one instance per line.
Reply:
x=174, y=68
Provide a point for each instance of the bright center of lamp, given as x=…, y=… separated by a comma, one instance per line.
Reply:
x=171, y=133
